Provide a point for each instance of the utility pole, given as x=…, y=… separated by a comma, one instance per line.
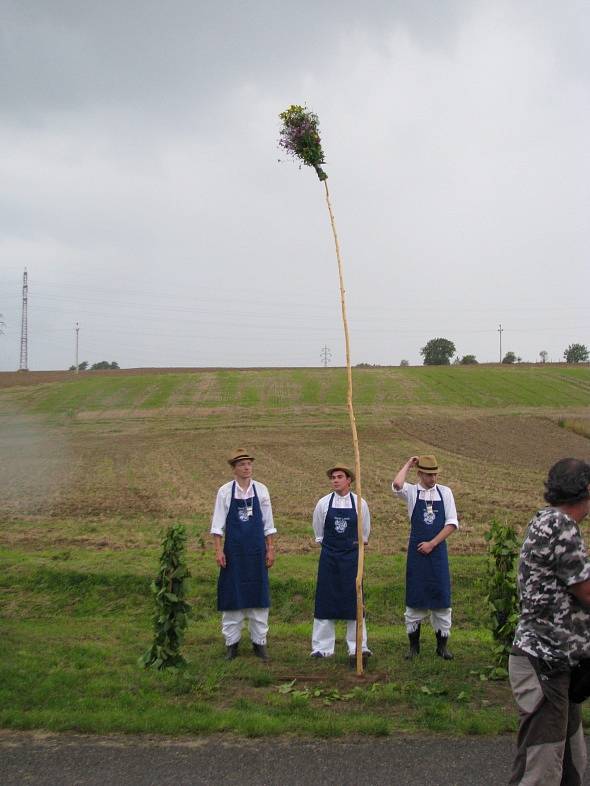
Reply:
x=500, y=331
x=24, y=338
x=325, y=356
x=77, y=331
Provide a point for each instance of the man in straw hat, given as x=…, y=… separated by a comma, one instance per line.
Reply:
x=433, y=517
x=335, y=526
x=243, y=514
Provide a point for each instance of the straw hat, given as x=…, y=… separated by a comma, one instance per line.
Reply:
x=237, y=455
x=427, y=464
x=343, y=468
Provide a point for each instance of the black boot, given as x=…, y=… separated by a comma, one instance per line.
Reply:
x=260, y=651
x=441, y=646
x=231, y=651
x=414, y=644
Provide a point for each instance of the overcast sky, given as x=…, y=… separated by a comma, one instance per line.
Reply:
x=141, y=188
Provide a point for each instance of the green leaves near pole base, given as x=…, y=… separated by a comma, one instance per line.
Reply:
x=502, y=595
x=170, y=618
x=300, y=137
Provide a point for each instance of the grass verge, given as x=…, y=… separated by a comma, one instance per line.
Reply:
x=75, y=621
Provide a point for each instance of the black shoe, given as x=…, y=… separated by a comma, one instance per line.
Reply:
x=414, y=639
x=441, y=647
x=260, y=651
x=317, y=654
x=231, y=651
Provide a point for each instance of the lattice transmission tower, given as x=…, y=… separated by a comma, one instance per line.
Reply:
x=24, y=337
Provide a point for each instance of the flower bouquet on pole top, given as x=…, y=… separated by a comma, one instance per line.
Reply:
x=300, y=138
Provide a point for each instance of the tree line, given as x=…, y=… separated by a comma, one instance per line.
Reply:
x=101, y=366
x=439, y=351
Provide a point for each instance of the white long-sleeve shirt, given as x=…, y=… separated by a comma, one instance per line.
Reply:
x=319, y=514
x=410, y=491
x=223, y=502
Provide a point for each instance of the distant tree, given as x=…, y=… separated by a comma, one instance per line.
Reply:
x=438, y=352
x=576, y=353
x=468, y=360
x=509, y=357
x=404, y=363
x=543, y=354
x=103, y=365
x=81, y=366
x=2, y=324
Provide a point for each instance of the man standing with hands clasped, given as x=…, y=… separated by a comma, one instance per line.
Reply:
x=335, y=525
x=433, y=517
x=243, y=514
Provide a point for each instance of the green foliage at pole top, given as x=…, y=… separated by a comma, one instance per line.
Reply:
x=502, y=597
x=170, y=618
x=300, y=137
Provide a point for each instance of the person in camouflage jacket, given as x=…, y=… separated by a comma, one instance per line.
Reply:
x=553, y=632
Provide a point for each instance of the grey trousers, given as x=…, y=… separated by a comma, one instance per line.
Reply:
x=550, y=744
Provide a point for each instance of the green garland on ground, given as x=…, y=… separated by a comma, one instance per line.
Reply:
x=170, y=618
x=502, y=594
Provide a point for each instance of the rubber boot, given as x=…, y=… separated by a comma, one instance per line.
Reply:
x=414, y=644
x=441, y=646
x=260, y=651
x=231, y=651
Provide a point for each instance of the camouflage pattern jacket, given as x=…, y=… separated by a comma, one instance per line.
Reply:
x=553, y=625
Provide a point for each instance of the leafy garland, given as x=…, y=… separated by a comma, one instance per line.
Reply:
x=502, y=594
x=300, y=137
x=170, y=618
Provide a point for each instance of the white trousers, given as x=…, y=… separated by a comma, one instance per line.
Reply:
x=233, y=621
x=323, y=637
x=440, y=619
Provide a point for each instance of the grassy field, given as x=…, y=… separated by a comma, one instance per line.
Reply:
x=95, y=467
x=76, y=615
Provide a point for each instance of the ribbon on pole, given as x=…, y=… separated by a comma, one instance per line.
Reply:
x=300, y=138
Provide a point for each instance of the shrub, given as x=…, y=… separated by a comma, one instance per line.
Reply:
x=502, y=594
x=170, y=618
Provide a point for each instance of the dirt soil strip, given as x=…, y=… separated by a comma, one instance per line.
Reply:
x=84, y=760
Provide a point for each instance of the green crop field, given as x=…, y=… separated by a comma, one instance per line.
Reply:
x=451, y=386
x=96, y=466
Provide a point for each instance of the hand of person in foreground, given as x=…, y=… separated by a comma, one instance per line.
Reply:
x=270, y=556
x=426, y=547
x=220, y=559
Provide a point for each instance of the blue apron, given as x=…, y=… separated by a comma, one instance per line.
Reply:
x=428, y=582
x=243, y=583
x=335, y=596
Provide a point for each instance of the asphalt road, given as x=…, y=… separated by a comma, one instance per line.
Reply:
x=85, y=760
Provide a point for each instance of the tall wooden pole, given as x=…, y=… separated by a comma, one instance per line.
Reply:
x=357, y=457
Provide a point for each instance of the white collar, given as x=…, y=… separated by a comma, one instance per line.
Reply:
x=244, y=492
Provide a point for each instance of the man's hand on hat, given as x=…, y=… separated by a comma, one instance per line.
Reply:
x=413, y=461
